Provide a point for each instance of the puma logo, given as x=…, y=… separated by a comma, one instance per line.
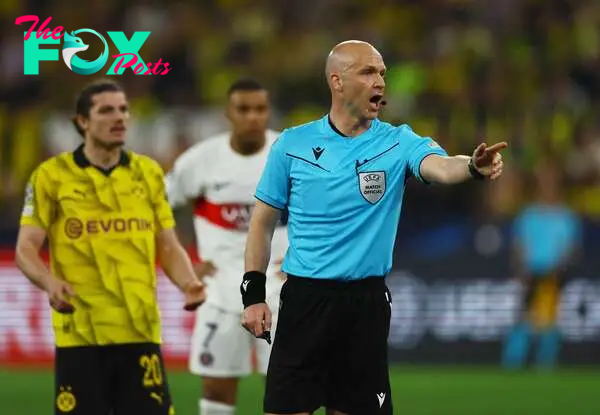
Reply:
x=156, y=396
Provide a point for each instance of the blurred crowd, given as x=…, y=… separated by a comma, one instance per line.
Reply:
x=461, y=71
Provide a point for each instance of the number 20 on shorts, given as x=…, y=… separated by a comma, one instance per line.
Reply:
x=152, y=370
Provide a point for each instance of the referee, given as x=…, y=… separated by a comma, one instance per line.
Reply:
x=341, y=178
x=104, y=212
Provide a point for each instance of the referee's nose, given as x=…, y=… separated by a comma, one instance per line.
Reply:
x=379, y=83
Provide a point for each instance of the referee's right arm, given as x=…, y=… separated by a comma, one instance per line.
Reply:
x=272, y=197
x=272, y=194
x=260, y=234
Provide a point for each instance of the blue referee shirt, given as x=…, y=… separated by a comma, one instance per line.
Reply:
x=343, y=195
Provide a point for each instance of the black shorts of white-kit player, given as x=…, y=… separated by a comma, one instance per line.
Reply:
x=331, y=348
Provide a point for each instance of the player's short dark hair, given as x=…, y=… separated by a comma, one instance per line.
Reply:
x=245, y=84
x=84, y=102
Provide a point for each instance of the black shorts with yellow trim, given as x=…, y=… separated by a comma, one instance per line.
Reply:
x=116, y=379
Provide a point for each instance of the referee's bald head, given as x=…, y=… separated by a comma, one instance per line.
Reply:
x=348, y=54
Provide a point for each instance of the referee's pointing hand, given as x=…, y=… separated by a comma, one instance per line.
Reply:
x=257, y=319
x=488, y=160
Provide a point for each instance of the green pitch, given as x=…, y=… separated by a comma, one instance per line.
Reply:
x=417, y=391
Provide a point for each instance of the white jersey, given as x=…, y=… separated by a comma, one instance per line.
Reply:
x=221, y=184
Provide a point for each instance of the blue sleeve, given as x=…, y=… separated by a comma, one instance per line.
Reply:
x=417, y=149
x=274, y=185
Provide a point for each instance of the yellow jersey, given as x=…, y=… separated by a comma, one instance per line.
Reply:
x=101, y=228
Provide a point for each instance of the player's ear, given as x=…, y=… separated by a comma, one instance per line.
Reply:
x=80, y=123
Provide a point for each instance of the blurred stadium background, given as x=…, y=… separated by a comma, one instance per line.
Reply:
x=525, y=71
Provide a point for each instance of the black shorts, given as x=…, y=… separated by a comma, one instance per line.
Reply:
x=111, y=380
x=330, y=348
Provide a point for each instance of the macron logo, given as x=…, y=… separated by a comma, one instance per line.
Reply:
x=245, y=285
x=381, y=398
x=317, y=151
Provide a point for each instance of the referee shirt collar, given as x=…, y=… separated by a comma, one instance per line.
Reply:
x=82, y=161
x=328, y=125
x=334, y=128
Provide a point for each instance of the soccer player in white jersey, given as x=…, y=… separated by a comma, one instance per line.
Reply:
x=219, y=176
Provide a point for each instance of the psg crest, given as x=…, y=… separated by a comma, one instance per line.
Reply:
x=206, y=359
x=372, y=185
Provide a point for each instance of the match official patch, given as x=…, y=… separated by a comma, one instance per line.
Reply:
x=372, y=185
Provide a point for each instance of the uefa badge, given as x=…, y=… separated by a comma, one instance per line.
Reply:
x=372, y=185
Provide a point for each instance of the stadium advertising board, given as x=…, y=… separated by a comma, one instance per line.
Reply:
x=466, y=320
x=433, y=320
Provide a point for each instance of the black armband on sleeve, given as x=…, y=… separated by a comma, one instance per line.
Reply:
x=253, y=288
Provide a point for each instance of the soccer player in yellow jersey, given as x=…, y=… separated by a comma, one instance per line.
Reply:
x=107, y=220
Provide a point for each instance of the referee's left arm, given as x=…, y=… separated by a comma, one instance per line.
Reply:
x=429, y=162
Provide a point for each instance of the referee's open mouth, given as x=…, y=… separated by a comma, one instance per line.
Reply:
x=376, y=102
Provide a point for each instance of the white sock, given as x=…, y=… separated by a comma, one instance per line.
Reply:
x=215, y=408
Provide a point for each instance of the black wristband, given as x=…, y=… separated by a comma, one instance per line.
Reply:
x=253, y=288
x=474, y=172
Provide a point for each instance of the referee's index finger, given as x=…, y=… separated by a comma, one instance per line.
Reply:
x=497, y=147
